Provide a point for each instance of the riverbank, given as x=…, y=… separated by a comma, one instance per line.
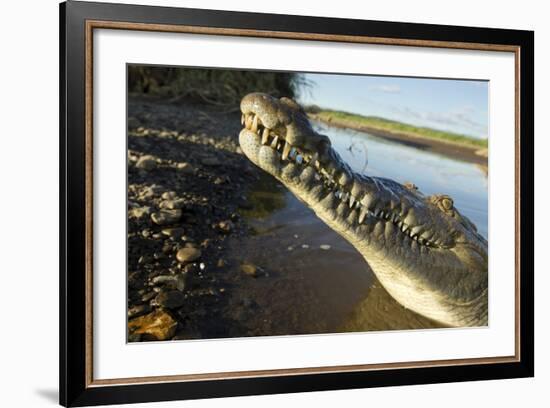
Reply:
x=187, y=182
x=456, y=149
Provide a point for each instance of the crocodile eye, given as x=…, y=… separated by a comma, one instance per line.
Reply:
x=446, y=203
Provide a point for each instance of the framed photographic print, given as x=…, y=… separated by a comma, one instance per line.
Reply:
x=255, y=203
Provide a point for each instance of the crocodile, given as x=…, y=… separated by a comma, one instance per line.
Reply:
x=425, y=253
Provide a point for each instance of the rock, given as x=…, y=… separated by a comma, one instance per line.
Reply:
x=146, y=162
x=139, y=212
x=185, y=168
x=148, y=296
x=176, y=233
x=171, y=299
x=305, y=246
x=175, y=281
x=172, y=204
x=138, y=311
x=188, y=254
x=249, y=269
x=191, y=268
x=325, y=247
x=149, y=192
x=166, y=217
x=159, y=325
x=168, y=195
x=225, y=226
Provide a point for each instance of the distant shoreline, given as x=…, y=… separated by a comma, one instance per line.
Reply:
x=471, y=154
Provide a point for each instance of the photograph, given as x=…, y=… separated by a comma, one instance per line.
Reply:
x=279, y=203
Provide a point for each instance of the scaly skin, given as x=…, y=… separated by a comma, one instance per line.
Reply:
x=427, y=255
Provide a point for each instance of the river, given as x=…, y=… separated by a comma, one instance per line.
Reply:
x=309, y=280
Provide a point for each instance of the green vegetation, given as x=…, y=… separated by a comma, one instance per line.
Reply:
x=222, y=87
x=374, y=123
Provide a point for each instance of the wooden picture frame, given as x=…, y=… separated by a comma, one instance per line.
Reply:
x=78, y=20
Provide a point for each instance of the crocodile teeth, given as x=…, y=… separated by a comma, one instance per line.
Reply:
x=351, y=201
x=242, y=119
x=265, y=136
x=274, y=142
x=255, y=124
x=286, y=150
x=363, y=214
x=248, y=121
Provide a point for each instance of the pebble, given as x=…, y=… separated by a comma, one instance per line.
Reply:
x=172, y=204
x=188, y=254
x=139, y=212
x=148, y=296
x=325, y=247
x=185, y=168
x=225, y=226
x=149, y=192
x=146, y=162
x=249, y=269
x=305, y=246
x=171, y=299
x=176, y=281
x=165, y=217
x=158, y=324
x=168, y=195
x=177, y=233
x=139, y=310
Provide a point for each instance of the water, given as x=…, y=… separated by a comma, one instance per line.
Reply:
x=310, y=280
x=465, y=182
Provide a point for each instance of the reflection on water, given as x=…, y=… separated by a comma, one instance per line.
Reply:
x=309, y=279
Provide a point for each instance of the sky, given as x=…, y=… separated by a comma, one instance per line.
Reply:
x=458, y=106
